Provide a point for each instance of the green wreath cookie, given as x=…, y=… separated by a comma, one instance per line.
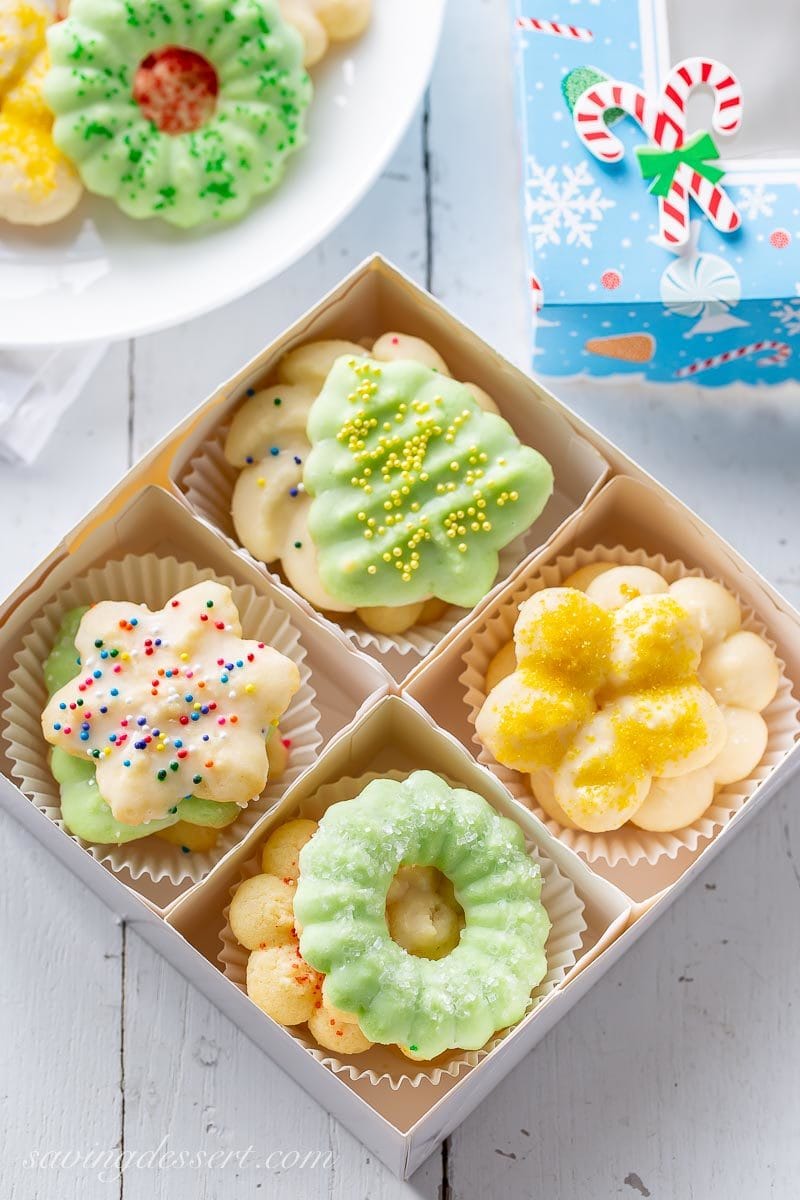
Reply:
x=425, y=1006
x=178, y=109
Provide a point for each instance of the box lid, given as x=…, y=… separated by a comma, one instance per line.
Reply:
x=594, y=234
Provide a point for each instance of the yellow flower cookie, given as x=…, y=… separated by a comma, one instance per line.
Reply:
x=631, y=700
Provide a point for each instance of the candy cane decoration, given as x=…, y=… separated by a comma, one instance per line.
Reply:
x=680, y=168
x=537, y=294
x=778, y=358
x=554, y=28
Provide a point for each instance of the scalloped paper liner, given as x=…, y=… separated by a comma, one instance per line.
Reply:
x=151, y=580
x=386, y=1064
x=627, y=844
x=208, y=487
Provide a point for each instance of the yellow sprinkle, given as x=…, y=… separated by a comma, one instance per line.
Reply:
x=250, y=688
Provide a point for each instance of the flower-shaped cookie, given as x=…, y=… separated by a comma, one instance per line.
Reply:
x=38, y=185
x=605, y=700
x=171, y=703
x=321, y=22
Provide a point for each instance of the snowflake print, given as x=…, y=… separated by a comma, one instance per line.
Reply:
x=756, y=201
x=563, y=202
x=787, y=315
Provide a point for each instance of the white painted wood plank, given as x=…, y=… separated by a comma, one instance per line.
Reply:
x=60, y=1087
x=478, y=266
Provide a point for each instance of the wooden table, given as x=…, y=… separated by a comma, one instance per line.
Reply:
x=677, y=1076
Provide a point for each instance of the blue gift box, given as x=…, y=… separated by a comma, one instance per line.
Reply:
x=611, y=293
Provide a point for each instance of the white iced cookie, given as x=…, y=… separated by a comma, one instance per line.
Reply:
x=320, y=22
x=267, y=441
x=171, y=703
x=632, y=705
x=741, y=671
x=711, y=606
x=619, y=585
x=744, y=748
x=544, y=793
x=675, y=803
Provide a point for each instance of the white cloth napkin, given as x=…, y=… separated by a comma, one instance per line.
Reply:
x=36, y=388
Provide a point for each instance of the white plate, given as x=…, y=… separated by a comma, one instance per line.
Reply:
x=100, y=275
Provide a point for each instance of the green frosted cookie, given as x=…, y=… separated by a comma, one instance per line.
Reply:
x=426, y=1006
x=178, y=109
x=415, y=487
x=84, y=811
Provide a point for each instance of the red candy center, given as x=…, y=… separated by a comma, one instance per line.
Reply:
x=176, y=89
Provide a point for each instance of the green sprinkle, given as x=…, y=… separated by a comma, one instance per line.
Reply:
x=162, y=775
x=298, y=545
x=173, y=766
x=197, y=779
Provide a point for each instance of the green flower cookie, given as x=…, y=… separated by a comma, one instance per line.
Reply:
x=415, y=487
x=182, y=109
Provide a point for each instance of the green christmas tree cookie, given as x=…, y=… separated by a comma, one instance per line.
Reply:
x=415, y=487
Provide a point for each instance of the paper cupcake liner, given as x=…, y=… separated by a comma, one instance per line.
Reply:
x=628, y=844
x=208, y=487
x=150, y=580
x=386, y=1064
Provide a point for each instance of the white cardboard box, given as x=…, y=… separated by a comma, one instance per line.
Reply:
x=399, y=712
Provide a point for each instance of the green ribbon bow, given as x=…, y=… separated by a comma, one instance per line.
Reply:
x=661, y=165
